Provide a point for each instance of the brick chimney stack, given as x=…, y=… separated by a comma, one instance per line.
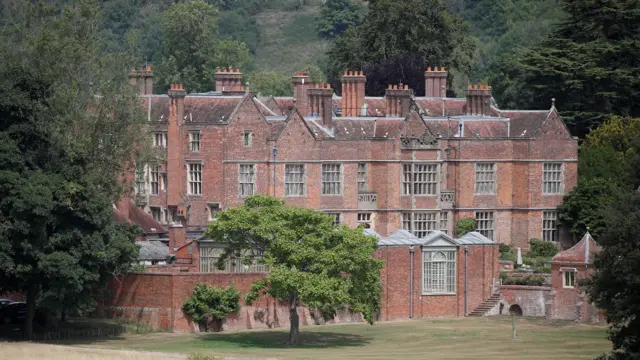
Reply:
x=143, y=79
x=174, y=145
x=320, y=102
x=301, y=84
x=398, y=100
x=353, y=92
x=435, y=82
x=229, y=80
x=478, y=100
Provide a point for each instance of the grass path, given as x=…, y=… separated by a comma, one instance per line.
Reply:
x=470, y=338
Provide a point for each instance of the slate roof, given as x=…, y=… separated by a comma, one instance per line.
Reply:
x=581, y=253
x=209, y=108
x=405, y=238
x=152, y=250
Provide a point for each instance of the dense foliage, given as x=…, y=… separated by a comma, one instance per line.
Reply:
x=209, y=303
x=69, y=124
x=589, y=64
x=311, y=261
x=539, y=248
x=609, y=161
x=464, y=226
x=336, y=16
x=410, y=33
x=615, y=286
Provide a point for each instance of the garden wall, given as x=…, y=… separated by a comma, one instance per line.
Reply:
x=531, y=300
x=156, y=299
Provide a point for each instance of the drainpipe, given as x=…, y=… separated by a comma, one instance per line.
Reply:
x=466, y=277
x=411, y=282
x=275, y=163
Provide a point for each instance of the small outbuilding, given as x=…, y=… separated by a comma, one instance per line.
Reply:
x=436, y=275
x=568, y=300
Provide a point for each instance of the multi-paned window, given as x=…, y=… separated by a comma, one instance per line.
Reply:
x=195, y=179
x=336, y=217
x=362, y=177
x=364, y=219
x=213, y=209
x=421, y=224
x=194, y=141
x=485, y=223
x=485, y=178
x=247, y=138
x=419, y=179
x=246, y=180
x=141, y=180
x=209, y=257
x=439, y=272
x=549, y=226
x=294, y=180
x=331, y=179
x=444, y=222
x=569, y=278
x=552, y=178
x=160, y=139
x=156, y=213
x=155, y=179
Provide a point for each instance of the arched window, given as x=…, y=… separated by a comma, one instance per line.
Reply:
x=439, y=271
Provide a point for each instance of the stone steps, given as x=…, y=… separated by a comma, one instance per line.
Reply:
x=486, y=305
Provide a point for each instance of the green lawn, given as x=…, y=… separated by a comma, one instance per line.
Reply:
x=470, y=338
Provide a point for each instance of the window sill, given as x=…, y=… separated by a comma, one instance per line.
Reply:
x=296, y=196
x=568, y=287
x=484, y=194
x=422, y=195
x=194, y=196
x=332, y=195
x=553, y=194
x=439, y=294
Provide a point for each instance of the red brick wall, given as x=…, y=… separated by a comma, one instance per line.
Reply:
x=531, y=299
x=483, y=267
x=571, y=303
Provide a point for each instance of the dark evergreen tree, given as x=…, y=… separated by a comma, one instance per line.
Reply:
x=336, y=16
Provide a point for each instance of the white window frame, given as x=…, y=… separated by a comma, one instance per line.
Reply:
x=154, y=179
x=483, y=219
x=160, y=139
x=550, y=226
x=485, y=178
x=444, y=221
x=141, y=177
x=363, y=173
x=549, y=183
x=331, y=186
x=442, y=271
x=366, y=219
x=565, y=277
x=246, y=180
x=420, y=179
x=211, y=211
x=195, y=170
x=247, y=138
x=294, y=179
x=337, y=217
x=421, y=223
x=194, y=141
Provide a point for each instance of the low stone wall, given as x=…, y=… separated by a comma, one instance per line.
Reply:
x=530, y=300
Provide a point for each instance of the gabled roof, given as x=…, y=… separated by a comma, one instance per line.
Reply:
x=125, y=211
x=434, y=239
x=580, y=253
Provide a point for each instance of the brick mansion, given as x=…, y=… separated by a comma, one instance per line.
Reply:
x=415, y=162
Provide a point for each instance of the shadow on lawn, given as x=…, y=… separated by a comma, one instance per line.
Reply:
x=278, y=339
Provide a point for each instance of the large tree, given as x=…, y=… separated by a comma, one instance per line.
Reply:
x=615, y=286
x=191, y=50
x=609, y=161
x=590, y=64
x=336, y=16
x=411, y=34
x=69, y=124
x=311, y=261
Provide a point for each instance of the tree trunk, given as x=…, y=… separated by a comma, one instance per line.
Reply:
x=63, y=315
x=294, y=332
x=32, y=295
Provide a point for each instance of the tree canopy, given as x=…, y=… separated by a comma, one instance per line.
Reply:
x=191, y=50
x=412, y=34
x=69, y=125
x=589, y=64
x=311, y=261
x=336, y=16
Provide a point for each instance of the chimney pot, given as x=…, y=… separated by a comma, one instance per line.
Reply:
x=443, y=69
x=224, y=69
x=429, y=69
x=230, y=68
x=435, y=69
x=406, y=87
x=395, y=87
x=148, y=68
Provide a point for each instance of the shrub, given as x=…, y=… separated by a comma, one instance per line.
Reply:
x=507, y=252
x=541, y=248
x=211, y=303
x=527, y=280
x=464, y=226
x=200, y=356
x=543, y=270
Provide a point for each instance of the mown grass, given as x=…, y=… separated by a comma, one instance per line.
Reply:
x=470, y=338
